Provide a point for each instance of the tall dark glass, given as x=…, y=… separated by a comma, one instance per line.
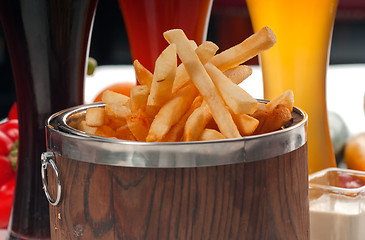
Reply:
x=48, y=43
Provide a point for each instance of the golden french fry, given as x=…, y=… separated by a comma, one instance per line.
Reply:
x=286, y=99
x=124, y=133
x=144, y=77
x=95, y=117
x=176, y=132
x=234, y=96
x=163, y=77
x=238, y=74
x=86, y=128
x=249, y=48
x=151, y=112
x=171, y=112
x=110, y=97
x=272, y=120
x=138, y=125
x=205, y=52
x=245, y=124
x=181, y=78
x=202, y=81
x=139, y=96
x=104, y=131
x=117, y=110
x=193, y=44
x=261, y=106
x=114, y=122
x=196, y=122
x=211, y=134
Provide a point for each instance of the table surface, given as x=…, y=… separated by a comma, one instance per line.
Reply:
x=345, y=91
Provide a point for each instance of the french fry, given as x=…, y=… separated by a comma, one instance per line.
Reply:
x=138, y=125
x=205, y=52
x=151, y=112
x=181, y=78
x=139, y=96
x=114, y=122
x=171, y=112
x=117, y=110
x=163, y=77
x=86, y=128
x=95, y=117
x=286, y=99
x=110, y=97
x=234, y=96
x=261, y=107
x=211, y=134
x=193, y=44
x=203, y=82
x=104, y=131
x=272, y=120
x=246, y=124
x=196, y=123
x=249, y=48
x=238, y=74
x=124, y=133
x=138, y=122
x=176, y=132
x=144, y=77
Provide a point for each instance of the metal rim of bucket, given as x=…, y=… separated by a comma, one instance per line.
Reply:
x=74, y=144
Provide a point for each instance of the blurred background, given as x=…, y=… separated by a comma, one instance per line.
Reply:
x=229, y=24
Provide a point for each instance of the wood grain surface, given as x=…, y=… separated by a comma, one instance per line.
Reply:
x=266, y=199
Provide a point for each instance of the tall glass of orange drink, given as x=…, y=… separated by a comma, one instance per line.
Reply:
x=299, y=61
x=146, y=20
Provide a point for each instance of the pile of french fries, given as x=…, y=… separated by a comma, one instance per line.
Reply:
x=197, y=100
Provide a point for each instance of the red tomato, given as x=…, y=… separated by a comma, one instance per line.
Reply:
x=123, y=88
x=13, y=113
x=7, y=171
x=10, y=128
x=6, y=197
x=5, y=144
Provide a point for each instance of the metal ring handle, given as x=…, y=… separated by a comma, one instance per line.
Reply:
x=48, y=158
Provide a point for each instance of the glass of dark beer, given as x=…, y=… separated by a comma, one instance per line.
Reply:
x=48, y=44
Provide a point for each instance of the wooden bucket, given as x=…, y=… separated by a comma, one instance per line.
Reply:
x=249, y=188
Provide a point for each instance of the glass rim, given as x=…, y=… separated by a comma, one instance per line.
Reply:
x=351, y=192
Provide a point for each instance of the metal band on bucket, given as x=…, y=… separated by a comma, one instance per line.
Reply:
x=76, y=145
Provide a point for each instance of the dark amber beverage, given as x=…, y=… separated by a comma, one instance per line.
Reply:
x=146, y=20
x=48, y=44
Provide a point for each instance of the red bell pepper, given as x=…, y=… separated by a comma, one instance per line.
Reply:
x=7, y=171
x=10, y=128
x=8, y=156
x=5, y=144
x=13, y=113
x=6, y=196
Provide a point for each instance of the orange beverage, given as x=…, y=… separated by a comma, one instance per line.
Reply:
x=299, y=61
x=146, y=20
